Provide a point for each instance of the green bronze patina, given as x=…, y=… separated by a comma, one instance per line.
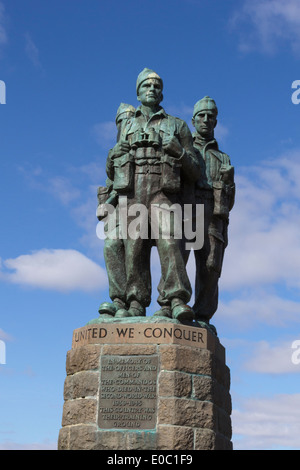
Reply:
x=156, y=160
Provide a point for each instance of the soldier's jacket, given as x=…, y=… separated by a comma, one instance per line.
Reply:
x=211, y=159
x=146, y=138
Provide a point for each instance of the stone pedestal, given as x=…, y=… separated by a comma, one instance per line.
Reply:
x=146, y=386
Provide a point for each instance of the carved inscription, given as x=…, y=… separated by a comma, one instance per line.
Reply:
x=128, y=392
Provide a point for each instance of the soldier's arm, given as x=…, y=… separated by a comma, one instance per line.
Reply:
x=110, y=165
x=191, y=166
x=227, y=176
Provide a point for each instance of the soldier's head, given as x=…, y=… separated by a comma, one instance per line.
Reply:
x=125, y=111
x=205, y=117
x=149, y=87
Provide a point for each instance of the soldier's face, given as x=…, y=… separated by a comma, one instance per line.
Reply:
x=205, y=122
x=150, y=92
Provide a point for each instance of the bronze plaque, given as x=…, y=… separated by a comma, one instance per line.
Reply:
x=128, y=392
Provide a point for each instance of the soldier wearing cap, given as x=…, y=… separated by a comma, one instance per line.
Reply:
x=157, y=157
x=216, y=190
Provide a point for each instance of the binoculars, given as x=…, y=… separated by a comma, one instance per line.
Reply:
x=146, y=139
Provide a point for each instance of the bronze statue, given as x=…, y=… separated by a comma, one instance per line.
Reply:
x=216, y=190
x=114, y=254
x=156, y=163
x=151, y=161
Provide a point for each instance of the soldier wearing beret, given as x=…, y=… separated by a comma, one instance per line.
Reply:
x=153, y=158
x=216, y=190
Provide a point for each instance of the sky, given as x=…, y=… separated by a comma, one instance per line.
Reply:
x=66, y=66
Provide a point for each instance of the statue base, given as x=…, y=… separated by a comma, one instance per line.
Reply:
x=150, y=385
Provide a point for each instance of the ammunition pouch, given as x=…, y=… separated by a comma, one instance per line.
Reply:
x=222, y=199
x=170, y=174
x=105, y=196
x=123, y=173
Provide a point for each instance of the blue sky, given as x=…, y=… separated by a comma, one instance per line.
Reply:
x=67, y=65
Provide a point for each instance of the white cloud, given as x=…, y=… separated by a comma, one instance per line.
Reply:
x=273, y=358
x=60, y=270
x=221, y=131
x=256, y=306
x=271, y=22
x=264, y=236
x=62, y=188
x=3, y=33
x=105, y=133
x=45, y=445
x=262, y=261
x=32, y=51
x=5, y=336
x=268, y=423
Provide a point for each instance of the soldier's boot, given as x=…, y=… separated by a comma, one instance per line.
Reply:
x=181, y=311
x=135, y=310
x=111, y=308
x=164, y=311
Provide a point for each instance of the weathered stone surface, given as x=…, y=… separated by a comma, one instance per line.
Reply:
x=108, y=440
x=175, y=384
x=81, y=385
x=186, y=412
x=128, y=349
x=175, y=437
x=64, y=438
x=84, y=437
x=148, y=332
x=79, y=411
x=192, y=400
x=84, y=358
x=182, y=358
x=224, y=423
x=208, y=389
x=205, y=439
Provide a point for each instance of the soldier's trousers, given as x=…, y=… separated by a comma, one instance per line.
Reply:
x=147, y=191
x=114, y=255
x=208, y=262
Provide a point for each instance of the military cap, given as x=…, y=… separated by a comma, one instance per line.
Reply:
x=206, y=104
x=144, y=75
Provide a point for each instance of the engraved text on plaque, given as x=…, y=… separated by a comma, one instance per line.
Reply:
x=128, y=392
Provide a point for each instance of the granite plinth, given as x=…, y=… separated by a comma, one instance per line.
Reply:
x=146, y=386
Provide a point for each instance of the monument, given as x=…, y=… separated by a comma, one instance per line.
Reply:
x=142, y=380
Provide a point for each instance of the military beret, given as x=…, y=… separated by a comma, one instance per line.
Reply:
x=205, y=104
x=144, y=75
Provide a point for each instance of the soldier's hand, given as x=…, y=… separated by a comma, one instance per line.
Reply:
x=227, y=173
x=172, y=146
x=120, y=149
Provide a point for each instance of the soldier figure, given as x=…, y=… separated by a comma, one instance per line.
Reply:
x=153, y=159
x=216, y=190
x=114, y=254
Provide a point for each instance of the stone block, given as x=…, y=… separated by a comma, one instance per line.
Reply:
x=175, y=384
x=185, y=359
x=175, y=437
x=81, y=385
x=79, y=411
x=83, y=358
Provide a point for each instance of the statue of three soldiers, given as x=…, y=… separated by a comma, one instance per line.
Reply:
x=158, y=162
